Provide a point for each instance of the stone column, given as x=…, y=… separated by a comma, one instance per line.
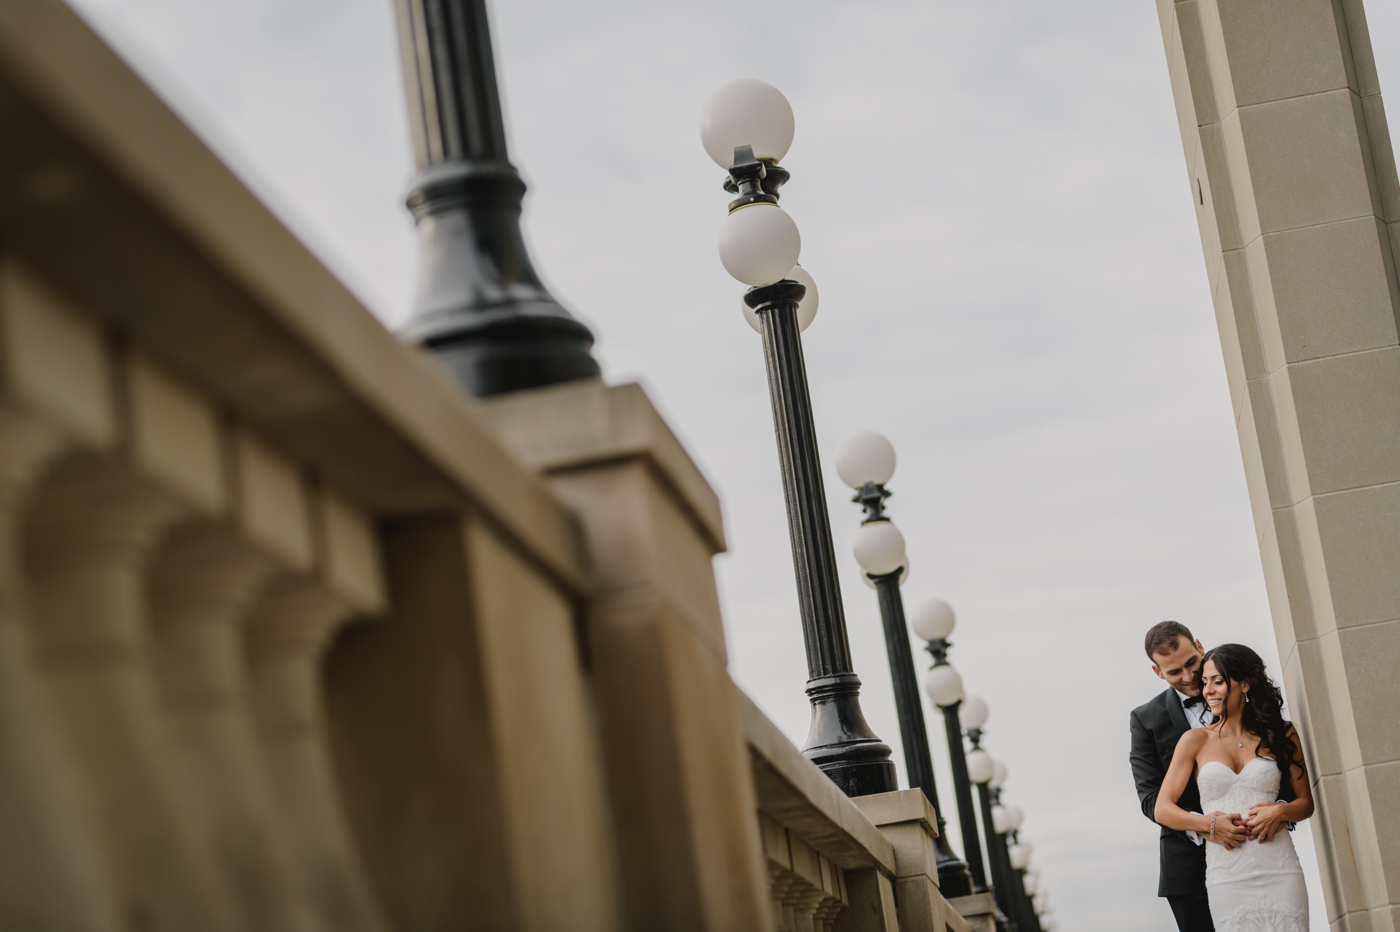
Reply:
x=1293, y=182
x=286, y=640
x=51, y=878
x=57, y=394
x=89, y=534
x=677, y=766
x=203, y=586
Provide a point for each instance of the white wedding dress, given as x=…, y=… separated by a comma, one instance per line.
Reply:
x=1257, y=887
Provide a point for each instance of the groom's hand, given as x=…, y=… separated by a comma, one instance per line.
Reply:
x=1265, y=820
x=1230, y=830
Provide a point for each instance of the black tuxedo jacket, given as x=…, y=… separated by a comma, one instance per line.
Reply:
x=1156, y=726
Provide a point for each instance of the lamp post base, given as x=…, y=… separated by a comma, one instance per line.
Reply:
x=481, y=310
x=954, y=879
x=840, y=741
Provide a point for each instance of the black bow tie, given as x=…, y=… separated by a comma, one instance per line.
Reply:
x=1193, y=700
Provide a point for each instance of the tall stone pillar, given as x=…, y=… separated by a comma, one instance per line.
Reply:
x=1294, y=185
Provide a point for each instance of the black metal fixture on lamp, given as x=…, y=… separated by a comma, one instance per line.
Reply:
x=746, y=127
x=934, y=621
x=481, y=310
x=865, y=461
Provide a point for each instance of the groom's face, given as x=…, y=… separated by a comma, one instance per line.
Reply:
x=1181, y=666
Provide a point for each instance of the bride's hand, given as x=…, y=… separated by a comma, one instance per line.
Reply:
x=1230, y=831
x=1264, y=821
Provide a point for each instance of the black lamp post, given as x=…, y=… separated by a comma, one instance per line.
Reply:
x=481, y=309
x=1018, y=857
x=865, y=461
x=944, y=687
x=746, y=126
x=1030, y=922
x=980, y=772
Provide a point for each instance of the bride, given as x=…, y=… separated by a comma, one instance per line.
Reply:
x=1253, y=877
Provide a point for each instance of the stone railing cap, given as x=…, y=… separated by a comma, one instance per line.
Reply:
x=582, y=423
x=793, y=791
x=899, y=806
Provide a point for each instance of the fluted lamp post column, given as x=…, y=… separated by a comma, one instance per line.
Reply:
x=933, y=621
x=865, y=461
x=480, y=308
x=746, y=127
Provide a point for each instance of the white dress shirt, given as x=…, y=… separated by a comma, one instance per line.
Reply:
x=1197, y=716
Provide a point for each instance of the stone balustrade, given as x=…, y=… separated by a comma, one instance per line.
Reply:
x=847, y=865
x=173, y=581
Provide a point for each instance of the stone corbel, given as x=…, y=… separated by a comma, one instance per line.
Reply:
x=204, y=584
x=286, y=640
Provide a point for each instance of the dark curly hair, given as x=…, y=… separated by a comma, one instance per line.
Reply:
x=1262, y=713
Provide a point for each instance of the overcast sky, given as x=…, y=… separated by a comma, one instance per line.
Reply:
x=994, y=204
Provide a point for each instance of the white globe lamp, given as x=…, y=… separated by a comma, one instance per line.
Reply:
x=865, y=456
x=1021, y=855
x=979, y=766
x=944, y=685
x=998, y=778
x=1001, y=822
x=746, y=112
x=759, y=244
x=974, y=713
x=879, y=548
x=933, y=620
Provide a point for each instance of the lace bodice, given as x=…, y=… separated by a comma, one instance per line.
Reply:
x=1259, y=885
x=1223, y=789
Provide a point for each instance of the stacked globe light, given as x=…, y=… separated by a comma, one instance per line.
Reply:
x=747, y=127
x=980, y=770
x=866, y=461
x=933, y=621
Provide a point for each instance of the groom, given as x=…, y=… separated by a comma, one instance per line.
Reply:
x=1156, y=726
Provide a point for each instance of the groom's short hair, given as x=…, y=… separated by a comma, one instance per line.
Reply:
x=1163, y=636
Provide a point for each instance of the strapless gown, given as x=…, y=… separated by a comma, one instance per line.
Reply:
x=1258, y=887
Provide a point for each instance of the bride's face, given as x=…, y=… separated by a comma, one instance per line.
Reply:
x=1218, y=694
